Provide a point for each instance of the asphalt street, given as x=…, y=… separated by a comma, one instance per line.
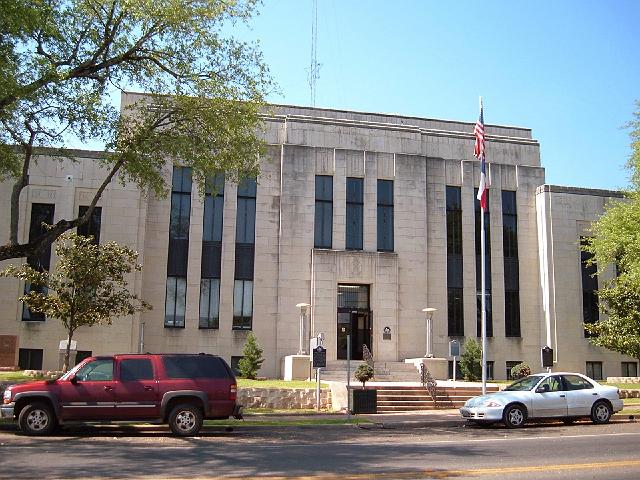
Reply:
x=403, y=447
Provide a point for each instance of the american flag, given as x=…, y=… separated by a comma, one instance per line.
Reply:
x=478, y=151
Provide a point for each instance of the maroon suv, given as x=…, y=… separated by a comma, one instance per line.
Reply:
x=177, y=389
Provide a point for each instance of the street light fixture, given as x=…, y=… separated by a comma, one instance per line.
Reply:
x=302, y=350
x=429, y=311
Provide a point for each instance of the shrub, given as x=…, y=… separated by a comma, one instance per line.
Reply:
x=471, y=361
x=251, y=360
x=363, y=373
x=520, y=370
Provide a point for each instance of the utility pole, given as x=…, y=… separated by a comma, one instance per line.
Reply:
x=314, y=67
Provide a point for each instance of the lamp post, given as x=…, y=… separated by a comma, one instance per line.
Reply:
x=429, y=311
x=302, y=350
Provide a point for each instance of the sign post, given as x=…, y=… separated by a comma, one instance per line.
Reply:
x=319, y=362
x=454, y=351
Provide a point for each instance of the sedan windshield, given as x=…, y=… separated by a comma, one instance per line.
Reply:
x=526, y=383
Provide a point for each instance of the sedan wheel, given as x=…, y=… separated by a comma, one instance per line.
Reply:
x=514, y=416
x=600, y=412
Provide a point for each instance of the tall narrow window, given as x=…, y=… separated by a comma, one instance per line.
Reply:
x=30, y=358
x=92, y=227
x=176, y=293
x=245, y=253
x=323, y=231
x=455, y=317
x=211, y=253
x=590, y=313
x=355, y=207
x=385, y=215
x=41, y=214
x=487, y=269
x=511, y=264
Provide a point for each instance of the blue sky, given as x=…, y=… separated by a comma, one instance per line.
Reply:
x=568, y=70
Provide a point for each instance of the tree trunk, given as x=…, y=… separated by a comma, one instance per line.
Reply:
x=67, y=353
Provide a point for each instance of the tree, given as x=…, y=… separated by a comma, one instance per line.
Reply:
x=251, y=360
x=471, y=361
x=364, y=373
x=88, y=285
x=615, y=241
x=62, y=61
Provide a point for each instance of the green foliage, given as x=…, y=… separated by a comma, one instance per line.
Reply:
x=63, y=61
x=363, y=373
x=616, y=241
x=251, y=360
x=88, y=285
x=520, y=370
x=471, y=361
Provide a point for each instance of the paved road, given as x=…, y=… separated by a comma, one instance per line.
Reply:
x=402, y=451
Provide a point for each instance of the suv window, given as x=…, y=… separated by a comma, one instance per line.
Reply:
x=134, y=369
x=574, y=382
x=97, y=371
x=197, y=366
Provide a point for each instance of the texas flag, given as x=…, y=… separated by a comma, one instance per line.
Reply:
x=478, y=151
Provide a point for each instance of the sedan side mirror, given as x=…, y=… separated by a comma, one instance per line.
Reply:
x=543, y=389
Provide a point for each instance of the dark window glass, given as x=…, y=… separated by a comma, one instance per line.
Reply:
x=30, y=358
x=353, y=296
x=629, y=369
x=235, y=364
x=244, y=261
x=194, y=366
x=134, y=369
x=511, y=264
x=590, y=312
x=385, y=215
x=179, y=222
x=92, y=227
x=574, y=382
x=82, y=354
x=242, y=305
x=355, y=207
x=594, y=370
x=175, y=302
x=209, y=303
x=490, y=370
x=487, y=269
x=455, y=320
x=211, y=262
x=323, y=225
x=213, y=210
x=246, y=212
x=455, y=316
x=458, y=370
x=41, y=213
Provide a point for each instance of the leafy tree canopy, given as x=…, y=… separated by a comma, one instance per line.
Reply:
x=88, y=285
x=62, y=62
x=616, y=241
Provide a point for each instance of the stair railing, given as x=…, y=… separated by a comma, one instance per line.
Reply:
x=428, y=382
x=367, y=357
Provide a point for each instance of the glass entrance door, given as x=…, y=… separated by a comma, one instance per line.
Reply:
x=354, y=320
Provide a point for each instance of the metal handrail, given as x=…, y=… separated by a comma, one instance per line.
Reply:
x=367, y=357
x=429, y=383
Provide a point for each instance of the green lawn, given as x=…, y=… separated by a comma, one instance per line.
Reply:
x=16, y=376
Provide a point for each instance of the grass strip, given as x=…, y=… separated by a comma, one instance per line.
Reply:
x=286, y=422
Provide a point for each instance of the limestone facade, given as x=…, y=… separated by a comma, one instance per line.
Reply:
x=422, y=157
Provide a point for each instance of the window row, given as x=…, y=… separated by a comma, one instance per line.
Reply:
x=455, y=310
x=211, y=258
x=354, y=210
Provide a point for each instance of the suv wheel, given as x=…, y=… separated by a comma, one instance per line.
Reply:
x=37, y=419
x=185, y=420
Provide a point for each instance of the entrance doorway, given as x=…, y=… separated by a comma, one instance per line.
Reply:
x=355, y=319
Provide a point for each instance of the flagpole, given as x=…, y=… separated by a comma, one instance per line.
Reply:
x=483, y=295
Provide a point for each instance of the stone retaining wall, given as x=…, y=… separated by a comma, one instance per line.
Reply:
x=283, y=398
x=623, y=379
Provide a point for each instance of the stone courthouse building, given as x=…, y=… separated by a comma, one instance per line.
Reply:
x=367, y=217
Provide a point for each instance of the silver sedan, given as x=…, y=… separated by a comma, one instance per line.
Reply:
x=566, y=396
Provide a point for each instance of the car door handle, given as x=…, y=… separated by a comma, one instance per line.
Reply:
x=148, y=388
x=562, y=396
x=594, y=394
x=107, y=388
